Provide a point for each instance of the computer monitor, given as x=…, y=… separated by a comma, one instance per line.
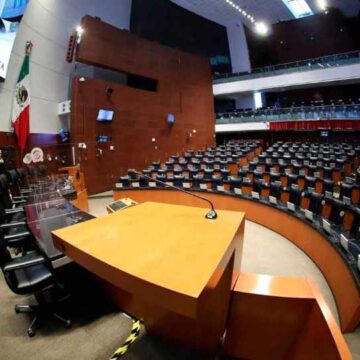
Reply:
x=170, y=119
x=237, y=191
x=344, y=241
x=326, y=226
x=309, y=215
x=346, y=200
x=220, y=188
x=310, y=189
x=105, y=115
x=203, y=187
x=186, y=185
x=328, y=194
x=255, y=195
x=358, y=262
x=273, y=200
x=152, y=184
x=290, y=206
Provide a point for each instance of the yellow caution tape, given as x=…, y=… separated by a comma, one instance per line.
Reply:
x=135, y=331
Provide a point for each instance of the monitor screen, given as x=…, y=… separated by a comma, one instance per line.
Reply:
x=10, y=16
x=105, y=115
x=171, y=118
x=324, y=133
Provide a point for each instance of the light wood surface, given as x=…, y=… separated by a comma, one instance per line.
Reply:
x=279, y=317
x=153, y=241
x=165, y=264
x=308, y=239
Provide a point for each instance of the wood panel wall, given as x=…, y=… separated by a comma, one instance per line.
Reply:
x=184, y=89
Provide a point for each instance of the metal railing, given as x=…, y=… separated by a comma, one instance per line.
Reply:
x=324, y=62
x=325, y=112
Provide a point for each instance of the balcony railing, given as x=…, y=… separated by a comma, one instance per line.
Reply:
x=325, y=62
x=325, y=112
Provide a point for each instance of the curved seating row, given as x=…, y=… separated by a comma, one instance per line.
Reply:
x=324, y=245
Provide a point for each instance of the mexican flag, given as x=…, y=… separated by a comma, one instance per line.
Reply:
x=21, y=108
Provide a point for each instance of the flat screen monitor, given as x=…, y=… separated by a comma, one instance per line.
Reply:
x=170, y=118
x=105, y=115
x=324, y=133
x=290, y=206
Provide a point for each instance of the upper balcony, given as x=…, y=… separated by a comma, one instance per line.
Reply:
x=303, y=117
x=343, y=68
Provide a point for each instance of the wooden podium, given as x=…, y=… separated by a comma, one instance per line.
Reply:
x=78, y=181
x=165, y=264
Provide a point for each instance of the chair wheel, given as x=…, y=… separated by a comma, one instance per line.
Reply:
x=17, y=311
x=31, y=332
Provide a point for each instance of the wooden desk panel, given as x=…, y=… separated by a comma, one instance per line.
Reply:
x=312, y=242
x=287, y=316
x=165, y=264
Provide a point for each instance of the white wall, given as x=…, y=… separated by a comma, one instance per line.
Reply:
x=255, y=126
x=239, y=51
x=288, y=81
x=48, y=24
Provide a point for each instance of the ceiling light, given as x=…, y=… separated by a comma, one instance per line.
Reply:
x=299, y=8
x=261, y=28
x=322, y=4
x=79, y=29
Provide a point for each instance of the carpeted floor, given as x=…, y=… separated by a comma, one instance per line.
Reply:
x=98, y=329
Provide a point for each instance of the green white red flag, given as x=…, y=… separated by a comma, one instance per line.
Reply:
x=21, y=109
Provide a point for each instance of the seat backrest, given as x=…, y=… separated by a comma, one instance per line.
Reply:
x=315, y=204
x=275, y=190
x=5, y=257
x=355, y=226
x=345, y=189
x=337, y=211
x=4, y=192
x=295, y=196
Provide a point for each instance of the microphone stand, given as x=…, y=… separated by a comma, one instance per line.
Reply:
x=211, y=215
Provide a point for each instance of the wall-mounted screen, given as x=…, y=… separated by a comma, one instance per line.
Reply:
x=11, y=12
x=324, y=133
x=171, y=118
x=105, y=115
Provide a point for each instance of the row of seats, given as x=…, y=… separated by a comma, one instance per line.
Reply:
x=25, y=269
x=315, y=185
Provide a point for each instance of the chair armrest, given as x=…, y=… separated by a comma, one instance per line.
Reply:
x=16, y=236
x=26, y=191
x=6, y=226
x=19, y=202
x=14, y=210
x=20, y=197
x=24, y=262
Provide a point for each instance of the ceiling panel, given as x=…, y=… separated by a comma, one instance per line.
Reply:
x=270, y=11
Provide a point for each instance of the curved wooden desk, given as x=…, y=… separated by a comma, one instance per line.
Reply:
x=313, y=242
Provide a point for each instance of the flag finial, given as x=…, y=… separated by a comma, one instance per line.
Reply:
x=28, y=47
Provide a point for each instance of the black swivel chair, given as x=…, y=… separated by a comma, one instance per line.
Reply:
x=30, y=275
x=295, y=195
x=316, y=202
x=337, y=211
x=275, y=190
x=346, y=190
x=292, y=179
x=355, y=226
x=328, y=185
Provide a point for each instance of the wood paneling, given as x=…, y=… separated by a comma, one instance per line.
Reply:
x=184, y=89
x=335, y=270
x=56, y=154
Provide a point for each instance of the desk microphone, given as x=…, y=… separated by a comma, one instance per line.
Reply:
x=212, y=215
